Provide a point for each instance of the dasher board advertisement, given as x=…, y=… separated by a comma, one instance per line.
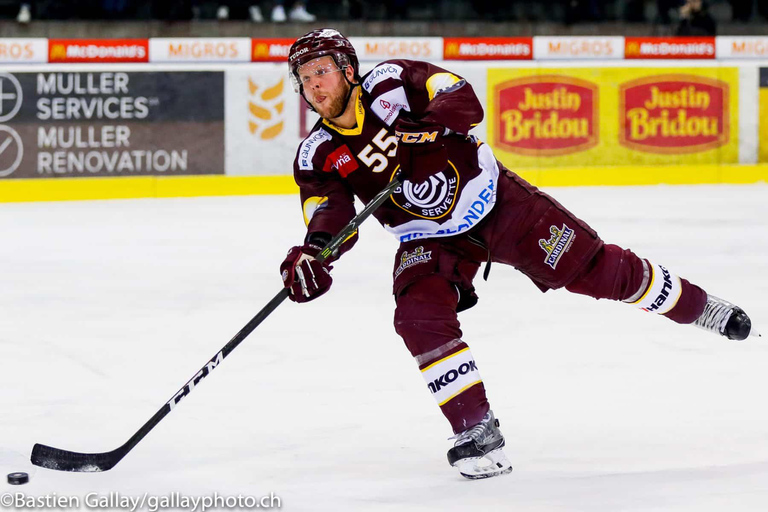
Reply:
x=111, y=123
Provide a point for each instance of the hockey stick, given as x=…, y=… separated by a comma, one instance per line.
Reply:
x=63, y=460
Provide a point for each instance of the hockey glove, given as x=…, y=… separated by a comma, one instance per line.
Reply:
x=420, y=149
x=304, y=276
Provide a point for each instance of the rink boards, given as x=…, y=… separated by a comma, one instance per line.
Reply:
x=87, y=131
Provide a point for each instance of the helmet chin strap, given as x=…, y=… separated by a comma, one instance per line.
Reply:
x=352, y=86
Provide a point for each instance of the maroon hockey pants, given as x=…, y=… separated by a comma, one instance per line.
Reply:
x=531, y=231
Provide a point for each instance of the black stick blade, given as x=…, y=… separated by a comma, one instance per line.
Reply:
x=63, y=460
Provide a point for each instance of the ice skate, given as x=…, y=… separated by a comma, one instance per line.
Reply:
x=479, y=444
x=726, y=319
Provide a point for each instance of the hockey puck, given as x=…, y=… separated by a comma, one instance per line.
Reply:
x=18, y=478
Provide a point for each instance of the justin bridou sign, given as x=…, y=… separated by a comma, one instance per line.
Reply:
x=73, y=124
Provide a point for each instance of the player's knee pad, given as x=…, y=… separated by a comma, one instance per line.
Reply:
x=425, y=316
x=614, y=273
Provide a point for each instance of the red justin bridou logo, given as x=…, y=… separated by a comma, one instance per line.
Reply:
x=669, y=48
x=98, y=50
x=674, y=114
x=546, y=115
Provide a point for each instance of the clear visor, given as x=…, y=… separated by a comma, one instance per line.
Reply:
x=315, y=68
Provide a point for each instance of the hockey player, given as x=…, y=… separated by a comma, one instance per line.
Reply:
x=457, y=208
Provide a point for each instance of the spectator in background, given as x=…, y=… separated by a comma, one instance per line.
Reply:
x=25, y=13
x=695, y=20
x=167, y=9
x=741, y=10
x=579, y=11
x=664, y=7
x=297, y=13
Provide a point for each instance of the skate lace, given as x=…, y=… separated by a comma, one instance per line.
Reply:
x=476, y=433
x=716, y=314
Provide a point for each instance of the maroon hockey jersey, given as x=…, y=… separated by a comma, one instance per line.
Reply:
x=333, y=164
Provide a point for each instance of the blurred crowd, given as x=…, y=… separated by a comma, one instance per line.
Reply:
x=689, y=17
x=276, y=11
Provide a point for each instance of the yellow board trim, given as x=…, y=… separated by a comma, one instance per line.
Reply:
x=641, y=175
x=459, y=392
x=445, y=359
x=78, y=189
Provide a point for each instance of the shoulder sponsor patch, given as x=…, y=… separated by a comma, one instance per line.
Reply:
x=341, y=160
x=558, y=244
x=309, y=147
x=381, y=73
x=443, y=82
x=388, y=105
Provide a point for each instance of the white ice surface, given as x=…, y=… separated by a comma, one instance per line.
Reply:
x=108, y=307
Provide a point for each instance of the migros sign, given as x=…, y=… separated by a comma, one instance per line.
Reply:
x=546, y=115
x=674, y=114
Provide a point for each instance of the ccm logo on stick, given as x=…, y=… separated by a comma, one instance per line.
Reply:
x=189, y=386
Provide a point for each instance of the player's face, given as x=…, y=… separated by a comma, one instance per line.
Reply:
x=325, y=86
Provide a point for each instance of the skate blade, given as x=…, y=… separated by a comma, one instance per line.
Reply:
x=472, y=469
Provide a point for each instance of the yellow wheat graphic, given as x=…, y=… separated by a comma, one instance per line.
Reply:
x=266, y=108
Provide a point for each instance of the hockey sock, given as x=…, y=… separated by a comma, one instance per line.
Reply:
x=664, y=293
x=619, y=274
x=455, y=383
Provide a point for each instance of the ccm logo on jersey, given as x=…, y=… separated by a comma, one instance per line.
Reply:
x=416, y=137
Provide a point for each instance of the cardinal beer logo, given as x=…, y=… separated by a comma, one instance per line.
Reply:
x=672, y=114
x=557, y=245
x=409, y=259
x=546, y=115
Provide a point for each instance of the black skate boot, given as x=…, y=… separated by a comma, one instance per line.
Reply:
x=483, y=441
x=726, y=319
